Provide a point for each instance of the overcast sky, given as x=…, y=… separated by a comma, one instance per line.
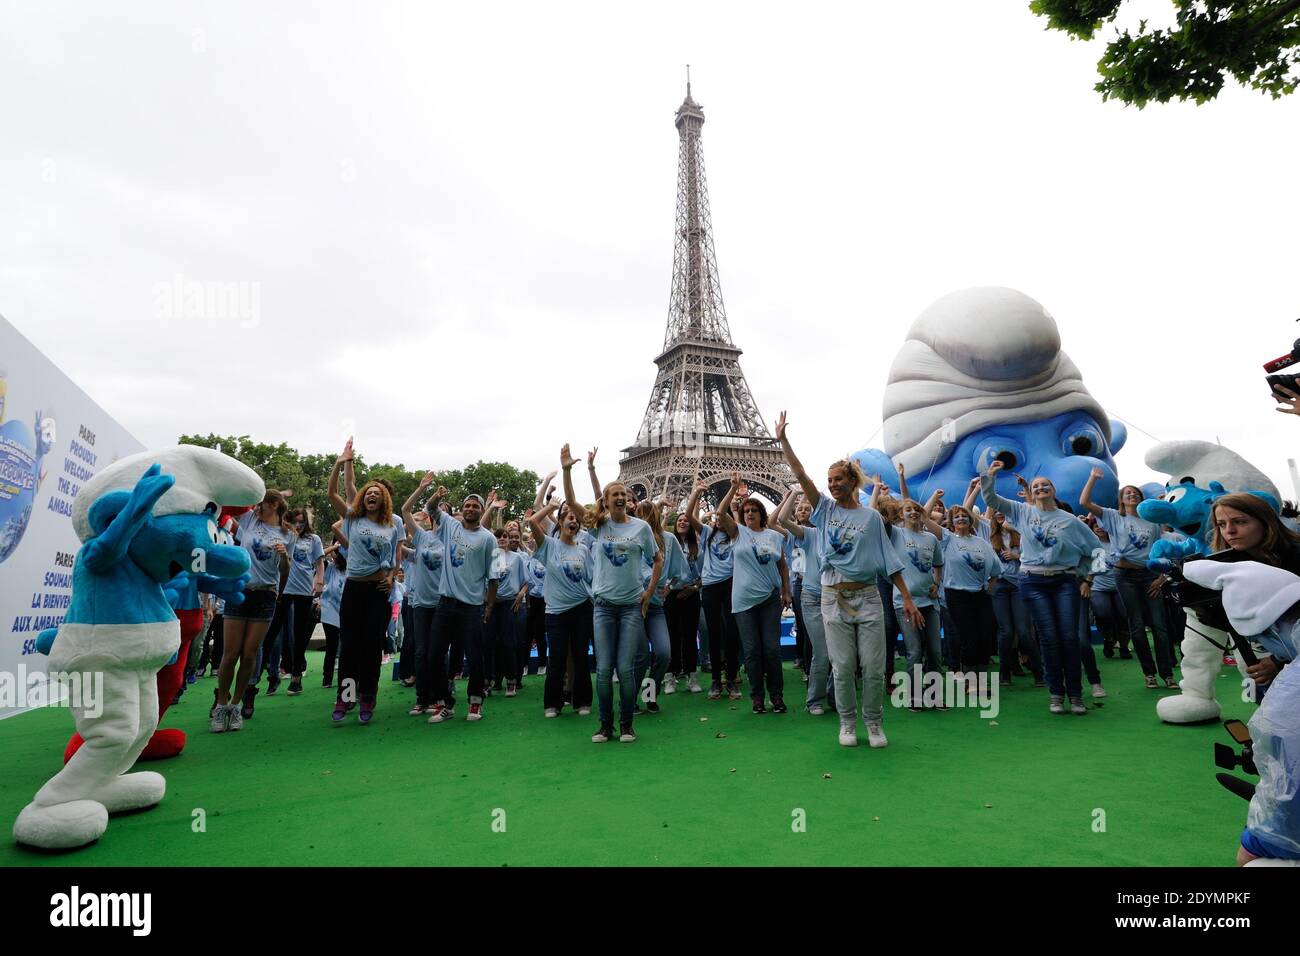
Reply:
x=455, y=220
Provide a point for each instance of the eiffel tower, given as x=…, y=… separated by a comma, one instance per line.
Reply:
x=701, y=421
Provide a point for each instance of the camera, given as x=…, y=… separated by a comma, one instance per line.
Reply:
x=1276, y=365
x=1228, y=758
x=1206, y=603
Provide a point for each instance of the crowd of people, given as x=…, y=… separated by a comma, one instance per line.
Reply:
x=665, y=596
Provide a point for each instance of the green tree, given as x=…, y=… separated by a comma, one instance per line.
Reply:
x=1255, y=41
x=307, y=477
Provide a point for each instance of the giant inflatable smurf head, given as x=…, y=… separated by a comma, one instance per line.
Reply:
x=982, y=376
x=142, y=520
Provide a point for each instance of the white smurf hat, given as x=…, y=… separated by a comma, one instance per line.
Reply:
x=1204, y=462
x=202, y=476
x=978, y=357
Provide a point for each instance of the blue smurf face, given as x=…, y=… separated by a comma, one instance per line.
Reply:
x=974, y=559
x=922, y=562
x=1064, y=449
x=166, y=546
x=302, y=554
x=1185, y=508
x=617, y=556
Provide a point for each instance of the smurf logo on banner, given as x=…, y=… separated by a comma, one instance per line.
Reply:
x=21, y=452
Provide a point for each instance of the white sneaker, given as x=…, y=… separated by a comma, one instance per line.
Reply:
x=551, y=712
x=220, y=722
x=848, y=734
x=615, y=677
x=541, y=671
x=1098, y=690
x=693, y=685
x=236, y=718
x=670, y=684
x=584, y=711
x=816, y=710
x=876, y=736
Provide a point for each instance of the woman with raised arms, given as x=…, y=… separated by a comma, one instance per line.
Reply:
x=854, y=548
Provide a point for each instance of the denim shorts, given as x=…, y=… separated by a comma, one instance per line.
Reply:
x=259, y=605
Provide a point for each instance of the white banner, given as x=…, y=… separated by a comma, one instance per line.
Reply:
x=53, y=438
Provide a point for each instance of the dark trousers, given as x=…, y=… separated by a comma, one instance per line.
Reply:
x=1112, y=619
x=760, y=636
x=364, y=613
x=802, y=645
x=406, y=667
x=683, y=612
x=971, y=613
x=885, y=588
x=1087, y=656
x=420, y=645
x=1142, y=609
x=1053, y=602
x=569, y=631
x=303, y=623
x=503, y=634
x=534, y=634
x=459, y=624
x=724, y=639
x=331, y=652
x=268, y=654
x=213, y=643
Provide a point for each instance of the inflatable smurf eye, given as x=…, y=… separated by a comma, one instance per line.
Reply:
x=1175, y=494
x=213, y=533
x=998, y=449
x=1083, y=441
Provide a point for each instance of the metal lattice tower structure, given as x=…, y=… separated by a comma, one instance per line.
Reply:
x=701, y=421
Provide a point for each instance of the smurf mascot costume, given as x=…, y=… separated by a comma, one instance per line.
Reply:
x=1263, y=604
x=142, y=520
x=982, y=376
x=1200, y=472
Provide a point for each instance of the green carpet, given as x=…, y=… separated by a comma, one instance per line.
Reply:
x=1026, y=788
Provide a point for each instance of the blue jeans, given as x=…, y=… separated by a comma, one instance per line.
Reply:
x=1087, y=656
x=819, y=662
x=1013, y=629
x=656, y=629
x=618, y=633
x=1142, y=609
x=760, y=638
x=924, y=654
x=1053, y=602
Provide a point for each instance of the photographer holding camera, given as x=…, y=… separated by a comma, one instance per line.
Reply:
x=1245, y=523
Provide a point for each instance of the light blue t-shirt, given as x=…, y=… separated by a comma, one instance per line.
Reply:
x=715, y=549
x=1103, y=568
x=689, y=572
x=426, y=568
x=467, y=560
x=852, y=542
x=810, y=545
x=674, y=566
x=332, y=596
x=1049, y=540
x=568, y=566
x=302, y=565
x=968, y=562
x=1130, y=537
x=371, y=547
x=756, y=563
x=921, y=554
x=535, y=574
x=511, y=571
x=617, y=554
x=259, y=540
